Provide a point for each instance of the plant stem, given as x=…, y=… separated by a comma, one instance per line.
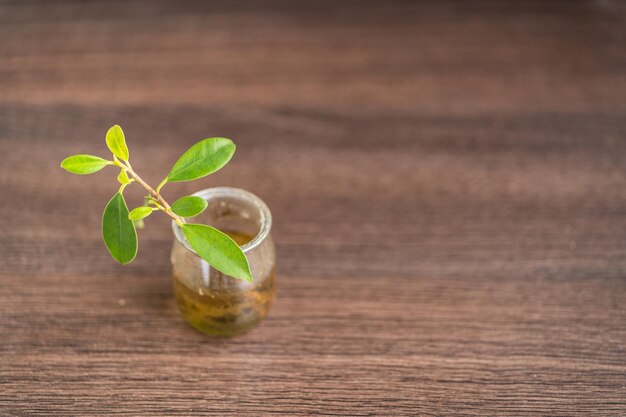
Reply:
x=158, y=189
x=164, y=206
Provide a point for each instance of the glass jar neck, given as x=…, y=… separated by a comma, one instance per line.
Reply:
x=234, y=210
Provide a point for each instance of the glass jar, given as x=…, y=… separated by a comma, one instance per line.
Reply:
x=215, y=303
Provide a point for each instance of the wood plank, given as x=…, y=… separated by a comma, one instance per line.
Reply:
x=446, y=182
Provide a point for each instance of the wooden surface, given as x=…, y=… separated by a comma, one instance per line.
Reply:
x=448, y=183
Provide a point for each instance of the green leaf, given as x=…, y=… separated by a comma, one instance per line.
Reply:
x=203, y=158
x=117, y=143
x=189, y=206
x=118, y=231
x=122, y=178
x=218, y=249
x=140, y=213
x=83, y=164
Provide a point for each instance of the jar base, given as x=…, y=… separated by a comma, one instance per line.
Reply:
x=225, y=313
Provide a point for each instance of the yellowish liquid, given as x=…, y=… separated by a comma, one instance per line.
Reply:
x=228, y=311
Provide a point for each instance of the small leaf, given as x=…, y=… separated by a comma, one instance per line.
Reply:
x=117, y=143
x=83, y=164
x=118, y=231
x=218, y=249
x=140, y=213
x=189, y=206
x=203, y=158
x=122, y=178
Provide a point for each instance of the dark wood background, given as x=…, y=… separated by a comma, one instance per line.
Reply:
x=448, y=182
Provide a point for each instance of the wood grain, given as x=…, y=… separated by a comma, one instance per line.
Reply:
x=447, y=182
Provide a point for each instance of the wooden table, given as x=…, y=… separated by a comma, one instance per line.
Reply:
x=448, y=183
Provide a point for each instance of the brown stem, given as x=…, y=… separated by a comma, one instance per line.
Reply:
x=156, y=195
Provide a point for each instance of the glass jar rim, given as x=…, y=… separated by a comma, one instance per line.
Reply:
x=265, y=216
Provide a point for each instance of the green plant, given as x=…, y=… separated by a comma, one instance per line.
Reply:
x=119, y=225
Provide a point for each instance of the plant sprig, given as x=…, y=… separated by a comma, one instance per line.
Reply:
x=119, y=224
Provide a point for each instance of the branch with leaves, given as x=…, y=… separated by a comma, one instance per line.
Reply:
x=119, y=225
